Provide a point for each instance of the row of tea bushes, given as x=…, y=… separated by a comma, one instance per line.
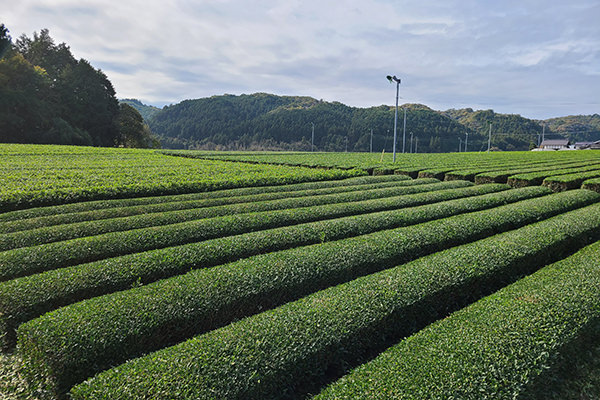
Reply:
x=73, y=342
x=291, y=350
x=501, y=347
x=93, y=210
x=569, y=181
x=33, y=259
x=24, y=298
x=537, y=178
x=71, y=229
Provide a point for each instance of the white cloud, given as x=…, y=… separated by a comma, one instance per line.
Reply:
x=505, y=55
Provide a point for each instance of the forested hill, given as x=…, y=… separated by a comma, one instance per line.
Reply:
x=145, y=111
x=583, y=128
x=266, y=121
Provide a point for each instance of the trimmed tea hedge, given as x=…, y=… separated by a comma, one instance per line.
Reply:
x=537, y=178
x=138, y=201
x=287, y=351
x=170, y=216
x=499, y=172
x=496, y=348
x=185, y=202
x=74, y=342
x=33, y=259
x=570, y=181
x=592, y=184
x=25, y=298
x=501, y=176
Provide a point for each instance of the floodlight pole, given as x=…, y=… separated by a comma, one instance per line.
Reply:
x=397, y=80
x=312, y=138
x=404, y=132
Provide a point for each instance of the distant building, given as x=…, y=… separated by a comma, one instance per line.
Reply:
x=588, y=145
x=555, y=144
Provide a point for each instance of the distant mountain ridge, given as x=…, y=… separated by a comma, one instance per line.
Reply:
x=263, y=121
x=145, y=111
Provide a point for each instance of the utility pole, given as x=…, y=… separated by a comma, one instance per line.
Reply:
x=404, y=131
x=397, y=80
x=543, y=132
x=490, y=138
x=466, y=140
x=371, y=146
x=312, y=138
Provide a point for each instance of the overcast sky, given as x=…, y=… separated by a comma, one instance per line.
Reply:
x=539, y=59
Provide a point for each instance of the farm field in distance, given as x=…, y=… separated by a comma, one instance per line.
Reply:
x=559, y=169
x=128, y=274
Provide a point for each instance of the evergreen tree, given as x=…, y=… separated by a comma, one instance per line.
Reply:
x=47, y=96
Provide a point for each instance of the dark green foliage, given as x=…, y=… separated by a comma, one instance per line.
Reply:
x=265, y=121
x=25, y=100
x=28, y=297
x=502, y=347
x=162, y=212
x=134, y=132
x=578, y=128
x=509, y=131
x=260, y=282
x=288, y=351
x=50, y=97
x=5, y=40
x=145, y=111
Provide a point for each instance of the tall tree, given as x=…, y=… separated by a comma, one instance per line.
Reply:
x=5, y=40
x=41, y=50
x=88, y=101
x=47, y=96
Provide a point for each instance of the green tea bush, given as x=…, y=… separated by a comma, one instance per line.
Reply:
x=570, y=181
x=171, y=213
x=497, y=348
x=33, y=259
x=25, y=298
x=537, y=178
x=91, y=210
x=288, y=351
x=71, y=343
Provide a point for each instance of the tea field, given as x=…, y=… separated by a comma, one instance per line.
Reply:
x=137, y=274
x=559, y=170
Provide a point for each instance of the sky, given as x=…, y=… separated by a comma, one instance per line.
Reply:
x=540, y=59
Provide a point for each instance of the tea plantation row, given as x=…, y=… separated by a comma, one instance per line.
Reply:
x=280, y=290
x=559, y=170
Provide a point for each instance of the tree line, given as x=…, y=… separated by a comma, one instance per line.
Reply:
x=264, y=121
x=48, y=96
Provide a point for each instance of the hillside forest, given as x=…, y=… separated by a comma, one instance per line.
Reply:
x=48, y=96
x=264, y=121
